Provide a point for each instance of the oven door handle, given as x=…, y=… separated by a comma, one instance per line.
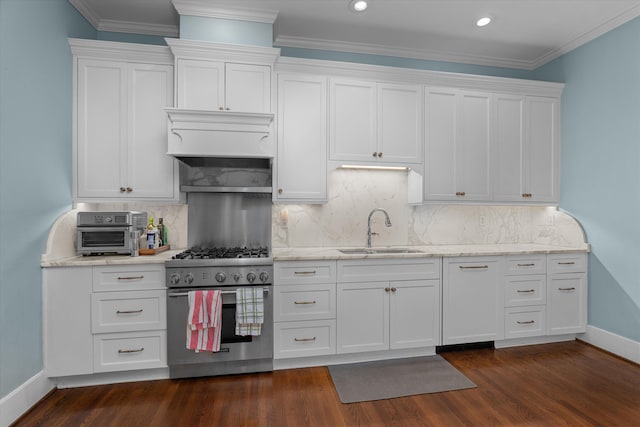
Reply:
x=184, y=294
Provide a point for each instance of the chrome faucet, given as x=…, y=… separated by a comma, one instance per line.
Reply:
x=387, y=222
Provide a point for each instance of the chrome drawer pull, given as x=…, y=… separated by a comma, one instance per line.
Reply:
x=302, y=273
x=526, y=265
x=129, y=311
x=304, y=302
x=567, y=263
x=304, y=339
x=527, y=291
x=131, y=278
x=566, y=289
x=120, y=351
x=528, y=322
x=462, y=267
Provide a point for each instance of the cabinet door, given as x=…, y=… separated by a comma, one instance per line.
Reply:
x=151, y=171
x=200, y=84
x=302, y=138
x=472, y=301
x=248, y=88
x=362, y=317
x=440, y=144
x=414, y=314
x=473, y=148
x=508, y=149
x=399, y=122
x=101, y=128
x=567, y=303
x=541, y=167
x=67, y=339
x=352, y=120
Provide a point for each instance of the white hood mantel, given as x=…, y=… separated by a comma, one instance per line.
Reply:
x=204, y=133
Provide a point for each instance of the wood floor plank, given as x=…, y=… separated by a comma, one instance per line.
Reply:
x=561, y=384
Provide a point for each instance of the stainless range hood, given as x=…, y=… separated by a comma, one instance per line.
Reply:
x=204, y=133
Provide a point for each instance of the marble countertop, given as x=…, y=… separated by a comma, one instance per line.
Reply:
x=332, y=253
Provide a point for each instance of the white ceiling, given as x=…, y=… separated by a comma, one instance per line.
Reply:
x=524, y=33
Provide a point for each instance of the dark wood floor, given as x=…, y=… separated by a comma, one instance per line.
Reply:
x=562, y=384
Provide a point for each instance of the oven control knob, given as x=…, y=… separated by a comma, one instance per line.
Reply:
x=251, y=277
x=174, y=279
x=237, y=277
x=264, y=276
x=188, y=278
x=221, y=277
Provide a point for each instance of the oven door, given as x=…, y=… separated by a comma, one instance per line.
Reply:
x=92, y=240
x=237, y=354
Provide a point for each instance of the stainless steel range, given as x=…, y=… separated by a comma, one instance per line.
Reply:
x=229, y=235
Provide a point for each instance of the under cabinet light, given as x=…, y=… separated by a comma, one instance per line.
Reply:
x=385, y=168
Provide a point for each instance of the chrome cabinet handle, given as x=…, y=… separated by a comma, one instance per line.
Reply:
x=526, y=265
x=131, y=278
x=567, y=263
x=304, y=339
x=380, y=154
x=304, y=302
x=139, y=350
x=129, y=311
x=122, y=189
x=129, y=189
x=375, y=154
x=527, y=291
x=461, y=193
x=471, y=267
x=387, y=289
x=527, y=195
x=567, y=289
x=304, y=273
x=528, y=322
x=279, y=190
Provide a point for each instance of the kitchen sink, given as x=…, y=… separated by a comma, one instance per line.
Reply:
x=371, y=251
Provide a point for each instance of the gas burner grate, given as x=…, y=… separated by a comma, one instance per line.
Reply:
x=221, y=253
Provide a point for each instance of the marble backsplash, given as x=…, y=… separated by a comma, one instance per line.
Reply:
x=342, y=221
x=354, y=193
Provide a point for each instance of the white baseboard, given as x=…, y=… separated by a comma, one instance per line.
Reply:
x=20, y=400
x=616, y=344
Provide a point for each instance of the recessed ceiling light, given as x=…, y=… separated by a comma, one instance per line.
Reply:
x=358, y=5
x=483, y=22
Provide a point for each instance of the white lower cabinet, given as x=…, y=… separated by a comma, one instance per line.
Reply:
x=376, y=312
x=567, y=294
x=304, y=307
x=472, y=300
x=104, y=319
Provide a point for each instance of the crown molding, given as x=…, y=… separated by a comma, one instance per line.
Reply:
x=200, y=8
x=585, y=38
x=130, y=52
x=138, y=28
x=397, y=51
x=86, y=11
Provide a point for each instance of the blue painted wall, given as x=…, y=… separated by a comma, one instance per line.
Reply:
x=35, y=166
x=226, y=31
x=600, y=182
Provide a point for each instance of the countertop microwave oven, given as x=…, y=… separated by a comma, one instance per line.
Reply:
x=99, y=233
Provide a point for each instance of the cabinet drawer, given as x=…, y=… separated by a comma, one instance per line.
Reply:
x=301, y=339
x=304, y=302
x=530, y=264
x=128, y=277
x=567, y=263
x=128, y=311
x=524, y=322
x=376, y=270
x=525, y=290
x=297, y=272
x=129, y=351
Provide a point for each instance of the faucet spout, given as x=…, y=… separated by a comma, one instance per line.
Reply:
x=387, y=222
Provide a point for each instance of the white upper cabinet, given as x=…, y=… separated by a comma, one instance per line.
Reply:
x=302, y=138
x=375, y=123
x=457, y=153
x=223, y=86
x=120, y=138
x=526, y=149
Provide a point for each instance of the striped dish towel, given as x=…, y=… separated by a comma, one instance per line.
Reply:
x=249, y=311
x=204, y=324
